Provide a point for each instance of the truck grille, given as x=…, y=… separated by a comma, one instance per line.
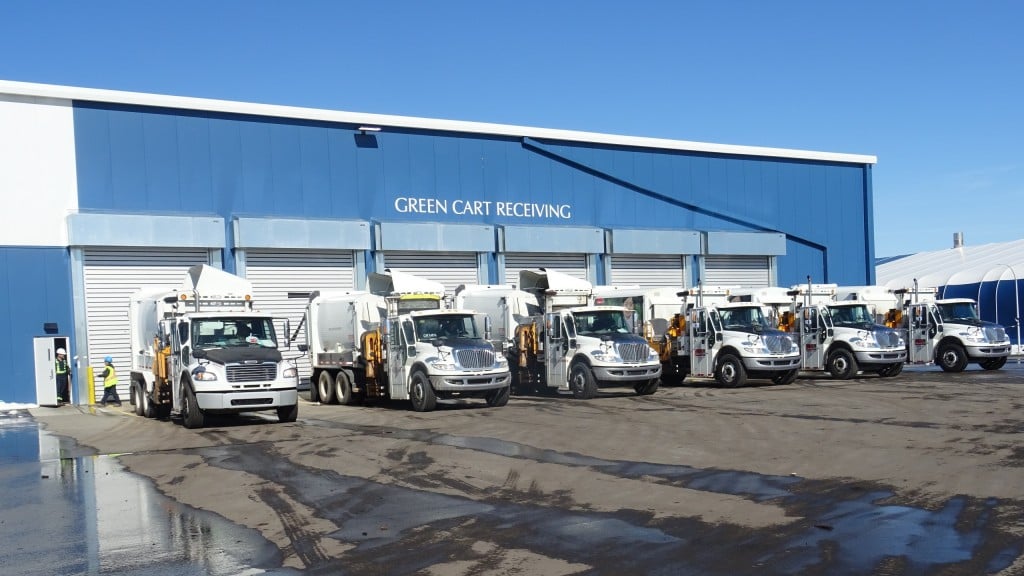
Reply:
x=475, y=358
x=887, y=338
x=995, y=333
x=633, y=351
x=252, y=372
x=779, y=343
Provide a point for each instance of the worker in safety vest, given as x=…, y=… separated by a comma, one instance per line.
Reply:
x=109, y=383
x=63, y=372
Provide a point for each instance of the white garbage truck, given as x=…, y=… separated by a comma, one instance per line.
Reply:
x=944, y=331
x=556, y=341
x=840, y=335
x=399, y=341
x=202, y=348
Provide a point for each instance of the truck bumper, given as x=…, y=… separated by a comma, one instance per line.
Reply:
x=880, y=357
x=988, y=351
x=770, y=363
x=246, y=401
x=470, y=383
x=626, y=373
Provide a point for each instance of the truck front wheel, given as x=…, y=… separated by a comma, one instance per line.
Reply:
x=647, y=387
x=287, y=414
x=842, y=365
x=498, y=398
x=993, y=363
x=422, y=394
x=581, y=381
x=191, y=415
x=952, y=358
x=730, y=372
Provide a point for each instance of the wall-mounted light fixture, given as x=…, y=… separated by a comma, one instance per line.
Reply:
x=364, y=129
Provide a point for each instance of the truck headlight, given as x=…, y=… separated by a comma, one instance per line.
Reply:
x=864, y=340
x=204, y=376
x=290, y=372
x=445, y=366
x=500, y=361
x=652, y=355
x=606, y=355
x=974, y=334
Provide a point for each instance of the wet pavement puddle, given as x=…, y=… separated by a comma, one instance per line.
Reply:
x=69, y=512
x=66, y=511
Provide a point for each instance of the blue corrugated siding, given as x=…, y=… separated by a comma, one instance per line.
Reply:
x=134, y=159
x=36, y=290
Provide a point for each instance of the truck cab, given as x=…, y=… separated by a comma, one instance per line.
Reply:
x=842, y=336
x=203, y=349
x=556, y=341
x=947, y=331
x=734, y=341
x=401, y=341
x=950, y=333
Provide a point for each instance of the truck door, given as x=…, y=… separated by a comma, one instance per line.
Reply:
x=814, y=330
x=557, y=341
x=921, y=331
x=180, y=357
x=701, y=332
x=401, y=342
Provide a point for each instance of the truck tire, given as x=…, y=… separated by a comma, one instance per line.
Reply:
x=325, y=387
x=581, y=382
x=138, y=398
x=993, y=363
x=842, y=365
x=498, y=398
x=422, y=393
x=951, y=358
x=647, y=387
x=787, y=377
x=191, y=415
x=287, y=414
x=342, y=389
x=730, y=372
x=891, y=370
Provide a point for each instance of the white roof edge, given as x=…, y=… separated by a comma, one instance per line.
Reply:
x=29, y=89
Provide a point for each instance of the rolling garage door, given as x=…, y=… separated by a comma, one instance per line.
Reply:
x=649, y=270
x=449, y=268
x=574, y=265
x=281, y=282
x=111, y=276
x=746, y=271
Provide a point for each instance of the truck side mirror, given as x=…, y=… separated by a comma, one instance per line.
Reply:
x=718, y=337
x=410, y=350
x=303, y=348
x=572, y=344
x=487, y=327
x=287, y=332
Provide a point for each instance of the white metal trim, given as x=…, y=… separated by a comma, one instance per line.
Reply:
x=385, y=120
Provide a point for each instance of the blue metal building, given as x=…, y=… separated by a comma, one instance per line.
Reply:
x=109, y=192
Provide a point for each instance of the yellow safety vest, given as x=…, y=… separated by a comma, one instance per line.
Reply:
x=111, y=378
x=62, y=366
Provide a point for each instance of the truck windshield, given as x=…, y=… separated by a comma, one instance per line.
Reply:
x=743, y=318
x=450, y=326
x=953, y=311
x=233, y=332
x=600, y=322
x=850, y=315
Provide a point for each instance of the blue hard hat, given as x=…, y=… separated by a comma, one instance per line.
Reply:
x=108, y=359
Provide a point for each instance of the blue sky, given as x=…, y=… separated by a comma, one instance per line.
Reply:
x=933, y=89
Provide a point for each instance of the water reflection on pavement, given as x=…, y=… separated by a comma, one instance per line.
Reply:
x=66, y=511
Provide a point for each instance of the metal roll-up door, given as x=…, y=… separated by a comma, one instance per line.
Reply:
x=281, y=282
x=746, y=271
x=111, y=276
x=649, y=270
x=449, y=268
x=574, y=265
